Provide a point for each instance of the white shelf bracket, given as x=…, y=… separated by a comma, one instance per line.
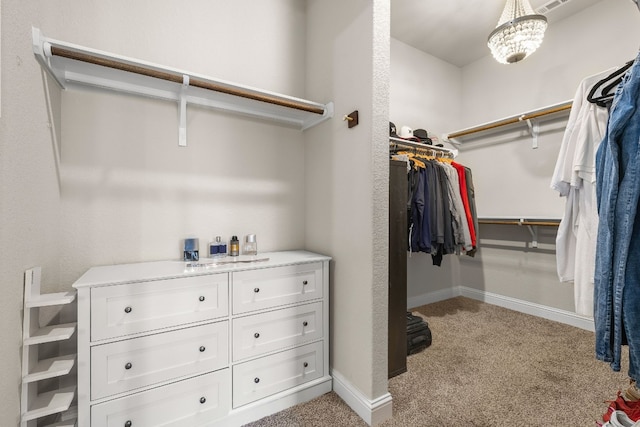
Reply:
x=533, y=229
x=534, y=130
x=182, y=130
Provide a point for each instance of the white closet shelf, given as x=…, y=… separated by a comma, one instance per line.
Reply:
x=51, y=368
x=71, y=65
x=52, y=333
x=50, y=403
x=44, y=300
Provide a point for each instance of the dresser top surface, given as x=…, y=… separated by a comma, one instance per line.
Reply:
x=158, y=270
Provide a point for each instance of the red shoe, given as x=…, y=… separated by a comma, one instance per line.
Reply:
x=632, y=409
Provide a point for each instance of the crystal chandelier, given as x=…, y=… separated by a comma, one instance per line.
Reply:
x=518, y=34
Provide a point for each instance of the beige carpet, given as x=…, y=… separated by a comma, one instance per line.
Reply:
x=487, y=366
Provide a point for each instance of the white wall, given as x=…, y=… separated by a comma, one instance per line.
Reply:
x=29, y=189
x=426, y=93
x=602, y=36
x=129, y=193
x=347, y=180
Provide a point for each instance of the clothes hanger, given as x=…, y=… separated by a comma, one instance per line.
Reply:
x=612, y=81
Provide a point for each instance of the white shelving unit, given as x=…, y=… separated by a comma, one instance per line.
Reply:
x=72, y=66
x=36, y=404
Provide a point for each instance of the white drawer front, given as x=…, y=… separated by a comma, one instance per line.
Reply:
x=272, y=374
x=262, y=333
x=126, y=365
x=139, y=307
x=265, y=288
x=193, y=402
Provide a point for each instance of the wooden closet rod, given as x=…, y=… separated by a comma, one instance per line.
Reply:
x=512, y=120
x=178, y=78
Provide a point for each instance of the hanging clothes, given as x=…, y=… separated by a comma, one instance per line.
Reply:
x=617, y=280
x=574, y=178
x=442, y=218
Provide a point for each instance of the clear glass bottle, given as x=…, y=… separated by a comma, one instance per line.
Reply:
x=234, y=246
x=250, y=245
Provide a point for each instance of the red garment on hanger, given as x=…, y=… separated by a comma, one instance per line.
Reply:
x=465, y=200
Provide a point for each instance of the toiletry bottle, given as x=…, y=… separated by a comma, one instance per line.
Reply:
x=190, y=251
x=234, y=246
x=214, y=248
x=250, y=245
x=222, y=247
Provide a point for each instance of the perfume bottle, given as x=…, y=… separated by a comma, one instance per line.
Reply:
x=234, y=246
x=250, y=245
x=222, y=246
x=217, y=248
x=190, y=250
x=214, y=249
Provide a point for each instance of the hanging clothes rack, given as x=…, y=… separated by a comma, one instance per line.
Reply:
x=523, y=118
x=74, y=66
x=531, y=224
x=424, y=148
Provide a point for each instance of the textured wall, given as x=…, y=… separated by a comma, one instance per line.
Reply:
x=346, y=174
x=29, y=188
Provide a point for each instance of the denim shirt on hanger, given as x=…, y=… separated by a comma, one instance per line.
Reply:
x=618, y=191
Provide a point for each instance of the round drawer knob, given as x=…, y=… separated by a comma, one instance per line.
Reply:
x=256, y=290
x=305, y=323
x=128, y=365
x=202, y=349
x=305, y=282
x=256, y=335
x=127, y=310
x=128, y=424
x=202, y=399
x=201, y=298
x=305, y=364
x=256, y=380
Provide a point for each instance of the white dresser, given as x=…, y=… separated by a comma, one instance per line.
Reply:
x=173, y=344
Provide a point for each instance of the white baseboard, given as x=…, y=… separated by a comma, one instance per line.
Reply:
x=373, y=412
x=539, y=310
x=432, y=297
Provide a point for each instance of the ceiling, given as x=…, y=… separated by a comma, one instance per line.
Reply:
x=456, y=31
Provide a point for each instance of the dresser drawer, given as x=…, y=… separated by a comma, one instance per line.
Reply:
x=274, y=330
x=121, y=310
x=265, y=288
x=126, y=365
x=272, y=374
x=194, y=402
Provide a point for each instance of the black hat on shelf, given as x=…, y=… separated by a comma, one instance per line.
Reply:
x=392, y=130
x=423, y=136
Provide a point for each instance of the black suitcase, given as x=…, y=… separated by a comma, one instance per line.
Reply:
x=418, y=334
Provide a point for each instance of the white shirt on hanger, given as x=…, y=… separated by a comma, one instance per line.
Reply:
x=574, y=178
